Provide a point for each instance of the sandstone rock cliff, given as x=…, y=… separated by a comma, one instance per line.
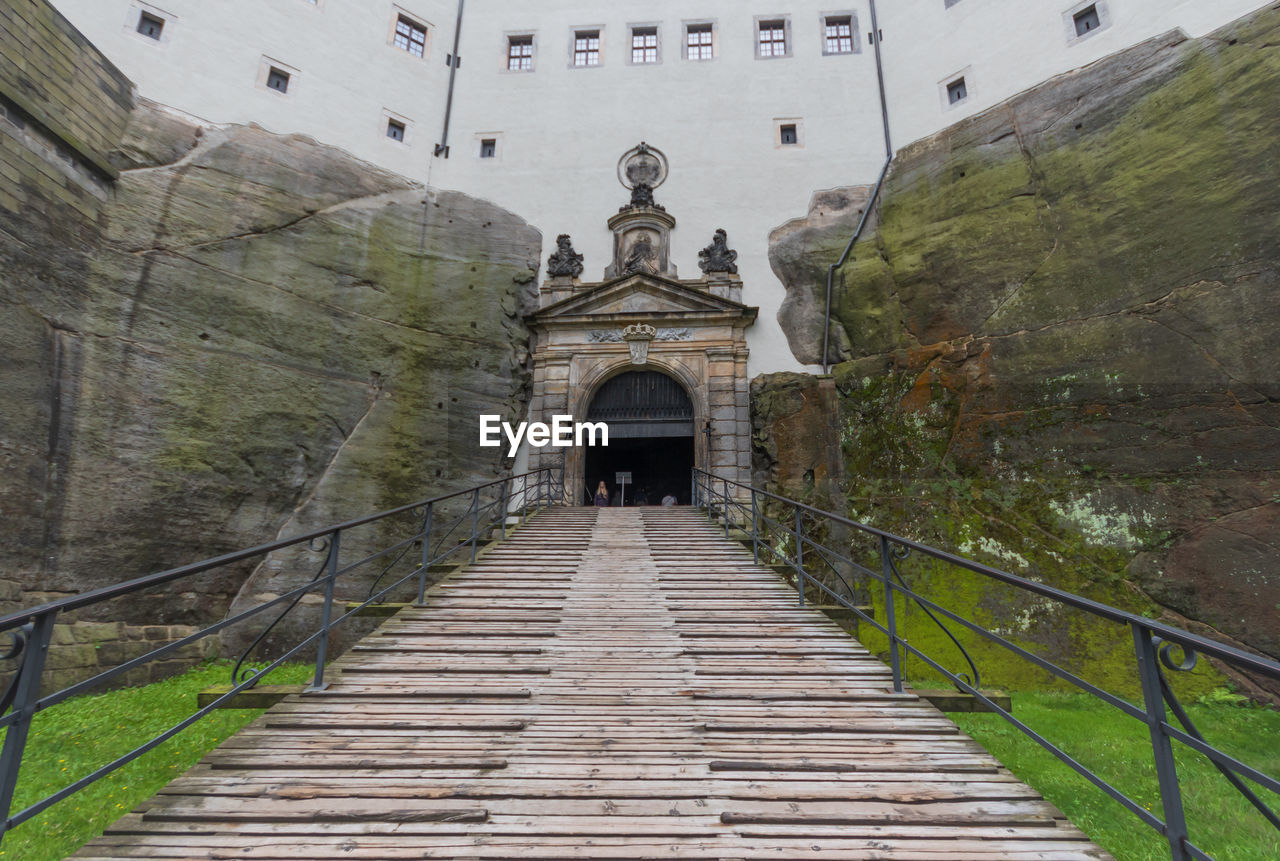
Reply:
x=256, y=335
x=1057, y=346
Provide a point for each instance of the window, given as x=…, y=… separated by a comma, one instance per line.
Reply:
x=411, y=36
x=957, y=91
x=839, y=34
x=278, y=79
x=488, y=148
x=520, y=53
x=773, y=38
x=395, y=130
x=644, y=44
x=150, y=25
x=698, y=42
x=1087, y=20
x=787, y=134
x=586, y=48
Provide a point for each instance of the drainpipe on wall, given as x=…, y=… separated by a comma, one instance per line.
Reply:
x=875, y=192
x=442, y=148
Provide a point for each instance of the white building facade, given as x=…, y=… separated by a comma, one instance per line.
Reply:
x=756, y=104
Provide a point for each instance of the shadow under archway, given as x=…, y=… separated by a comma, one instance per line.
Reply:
x=650, y=418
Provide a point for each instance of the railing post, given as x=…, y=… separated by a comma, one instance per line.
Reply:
x=800, y=555
x=890, y=616
x=426, y=555
x=755, y=528
x=724, y=489
x=38, y=636
x=502, y=513
x=475, y=521
x=524, y=498
x=326, y=613
x=1175, y=820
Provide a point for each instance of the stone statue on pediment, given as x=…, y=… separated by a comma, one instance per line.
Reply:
x=564, y=261
x=718, y=256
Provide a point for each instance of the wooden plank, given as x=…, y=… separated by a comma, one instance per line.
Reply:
x=675, y=703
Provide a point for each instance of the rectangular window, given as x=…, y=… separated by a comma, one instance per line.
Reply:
x=957, y=91
x=698, y=38
x=411, y=36
x=150, y=25
x=1087, y=20
x=644, y=45
x=839, y=33
x=787, y=134
x=395, y=130
x=773, y=38
x=586, y=48
x=489, y=148
x=278, y=79
x=520, y=53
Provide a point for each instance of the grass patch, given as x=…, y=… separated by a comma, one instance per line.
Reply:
x=1116, y=747
x=76, y=737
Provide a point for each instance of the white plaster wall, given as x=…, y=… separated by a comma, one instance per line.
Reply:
x=1006, y=46
x=561, y=130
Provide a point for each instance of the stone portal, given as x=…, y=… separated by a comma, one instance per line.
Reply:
x=662, y=360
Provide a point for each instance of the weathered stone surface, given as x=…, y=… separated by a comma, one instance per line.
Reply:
x=799, y=253
x=1059, y=337
x=258, y=336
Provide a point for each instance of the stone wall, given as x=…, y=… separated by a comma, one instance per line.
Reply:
x=53, y=75
x=1055, y=347
x=242, y=336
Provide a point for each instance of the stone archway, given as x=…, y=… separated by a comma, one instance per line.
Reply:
x=653, y=424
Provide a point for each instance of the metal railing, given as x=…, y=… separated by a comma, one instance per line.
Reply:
x=789, y=532
x=442, y=529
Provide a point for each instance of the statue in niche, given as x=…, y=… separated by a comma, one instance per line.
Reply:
x=564, y=261
x=718, y=257
x=642, y=257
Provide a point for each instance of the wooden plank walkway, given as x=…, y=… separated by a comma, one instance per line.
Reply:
x=607, y=684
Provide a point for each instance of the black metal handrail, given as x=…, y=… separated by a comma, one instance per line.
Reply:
x=31, y=631
x=787, y=538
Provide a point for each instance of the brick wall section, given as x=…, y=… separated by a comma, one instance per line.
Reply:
x=60, y=80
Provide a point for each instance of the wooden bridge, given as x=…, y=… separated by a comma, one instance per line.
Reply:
x=621, y=684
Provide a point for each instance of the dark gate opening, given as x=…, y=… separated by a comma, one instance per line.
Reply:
x=650, y=420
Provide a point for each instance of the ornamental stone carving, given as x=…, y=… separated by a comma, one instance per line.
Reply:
x=564, y=262
x=643, y=258
x=638, y=337
x=718, y=257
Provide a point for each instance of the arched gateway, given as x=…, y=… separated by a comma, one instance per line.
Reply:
x=663, y=361
x=650, y=418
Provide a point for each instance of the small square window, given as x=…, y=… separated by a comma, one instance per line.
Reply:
x=773, y=38
x=957, y=91
x=787, y=134
x=520, y=53
x=1087, y=20
x=644, y=45
x=586, y=48
x=698, y=42
x=278, y=79
x=395, y=130
x=150, y=25
x=489, y=148
x=839, y=34
x=411, y=36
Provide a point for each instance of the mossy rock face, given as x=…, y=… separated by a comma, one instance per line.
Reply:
x=1076, y=381
x=270, y=336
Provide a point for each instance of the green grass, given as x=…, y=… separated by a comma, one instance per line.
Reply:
x=1118, y=748
x=80, y=735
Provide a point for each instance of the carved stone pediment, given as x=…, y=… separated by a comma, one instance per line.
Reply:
x=640, y=295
